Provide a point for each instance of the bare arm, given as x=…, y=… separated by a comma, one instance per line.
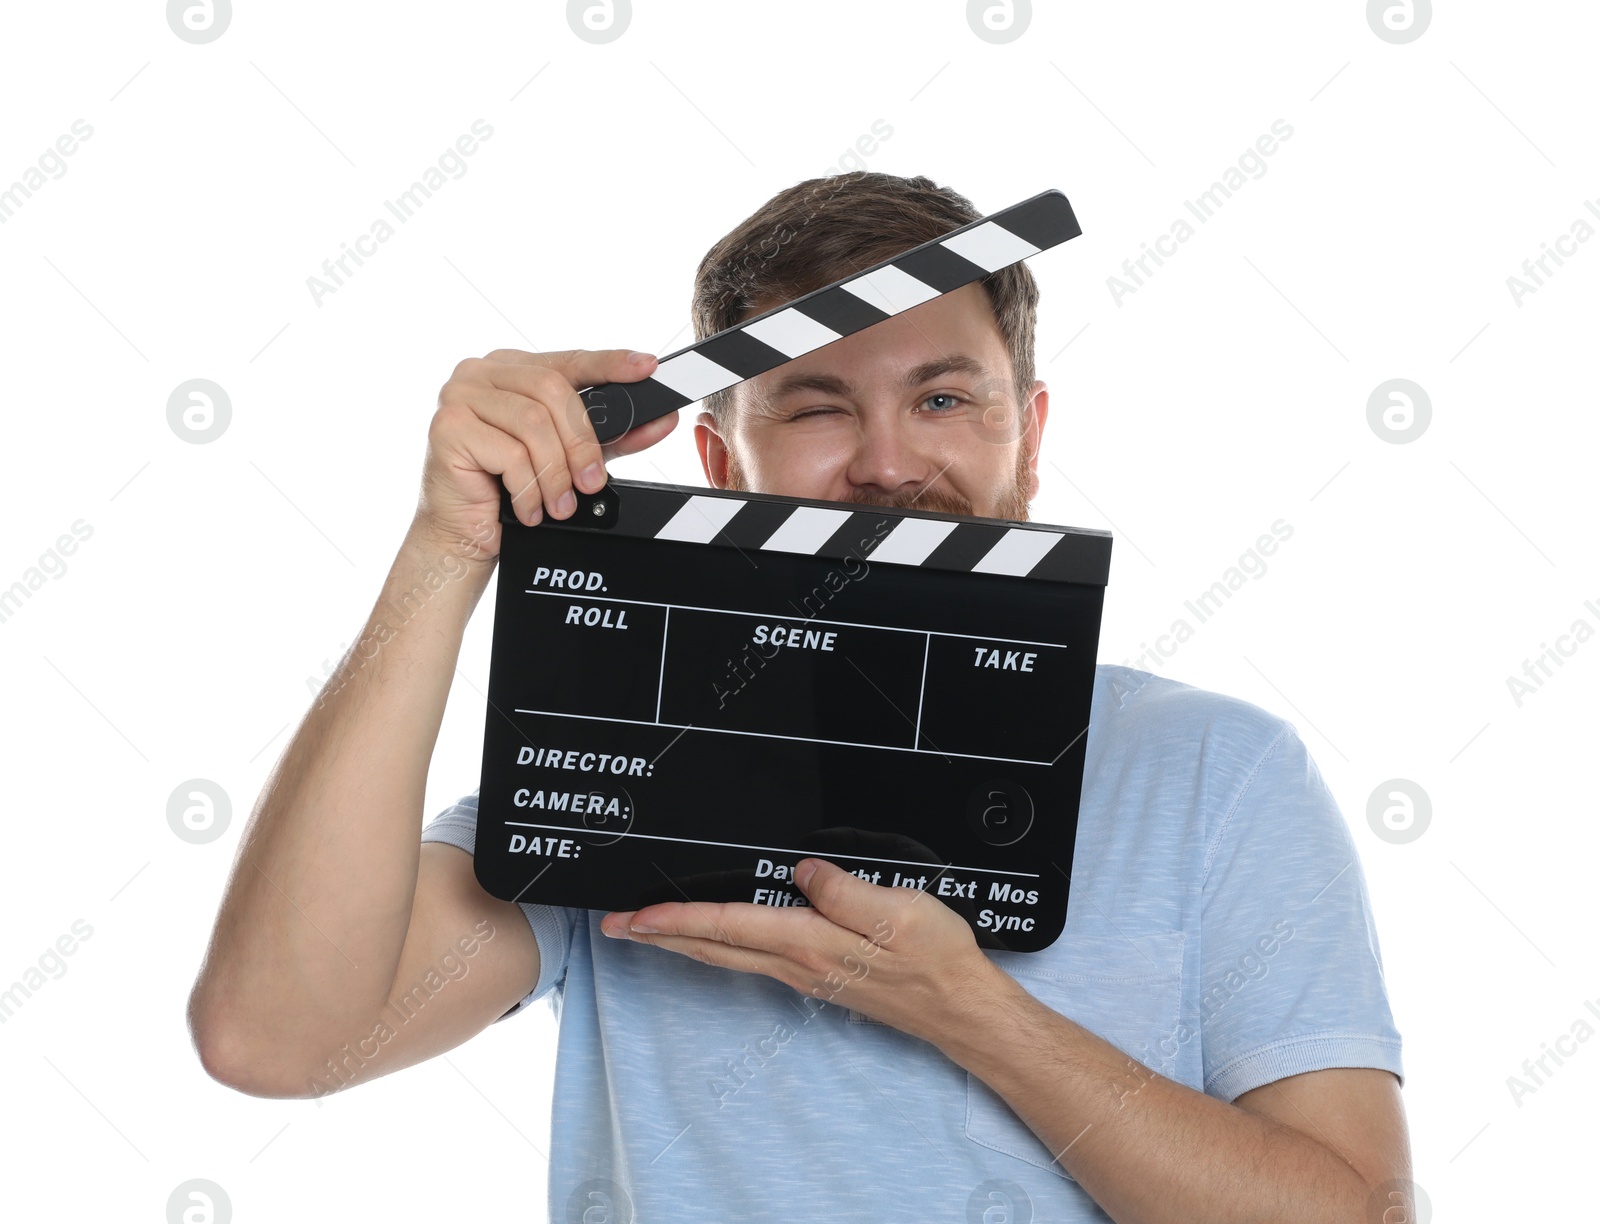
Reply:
x=1324, y=1145
x=334, y=907
x=468, y=957
x=312, y=925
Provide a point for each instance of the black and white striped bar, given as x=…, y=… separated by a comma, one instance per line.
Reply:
x=761, y=522
x=824, y=315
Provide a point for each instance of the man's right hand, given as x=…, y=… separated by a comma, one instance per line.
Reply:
x=519, y=415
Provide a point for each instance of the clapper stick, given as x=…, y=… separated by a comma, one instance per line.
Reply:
x=816, y=319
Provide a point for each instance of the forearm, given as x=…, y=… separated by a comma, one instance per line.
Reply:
x=1147, y=1149
x=315, y=914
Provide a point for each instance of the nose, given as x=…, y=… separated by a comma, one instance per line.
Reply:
x=887, y=463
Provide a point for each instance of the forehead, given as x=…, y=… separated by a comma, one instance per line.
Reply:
x=961, y=321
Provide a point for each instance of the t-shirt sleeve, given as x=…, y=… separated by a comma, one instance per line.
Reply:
x=552, y=925
x=1292, y=973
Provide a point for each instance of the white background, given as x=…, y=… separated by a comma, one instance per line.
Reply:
x=1228, y=391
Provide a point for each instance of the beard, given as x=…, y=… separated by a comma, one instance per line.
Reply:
x=1010, y=503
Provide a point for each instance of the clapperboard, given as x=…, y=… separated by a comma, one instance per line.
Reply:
x=691, y=690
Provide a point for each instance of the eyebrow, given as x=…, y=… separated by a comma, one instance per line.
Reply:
x=831, y=384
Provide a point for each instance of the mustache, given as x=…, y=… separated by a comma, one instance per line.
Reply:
x=936, y=500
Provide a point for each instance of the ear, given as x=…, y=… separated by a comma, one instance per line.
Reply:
x=1038, y=410
x=713, y=450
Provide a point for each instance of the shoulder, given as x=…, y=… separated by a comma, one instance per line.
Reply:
x=1154, y=716
x=1244, y=772
x=1161, y=746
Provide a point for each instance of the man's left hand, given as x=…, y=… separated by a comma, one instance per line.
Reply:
x=898, y=955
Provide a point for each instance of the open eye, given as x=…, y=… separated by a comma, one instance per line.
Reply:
x=951, y=403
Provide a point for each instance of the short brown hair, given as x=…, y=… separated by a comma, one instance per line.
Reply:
x=823, y=229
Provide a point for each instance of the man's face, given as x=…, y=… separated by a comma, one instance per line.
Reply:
x=918, y=411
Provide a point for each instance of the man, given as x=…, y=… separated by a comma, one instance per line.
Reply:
x=1209, y=1038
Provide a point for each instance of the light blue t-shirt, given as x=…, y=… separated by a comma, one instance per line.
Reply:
x=1218, y=930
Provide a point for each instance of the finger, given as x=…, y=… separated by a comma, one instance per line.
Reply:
x=846, y=899
x=554, y=380
x=585, y=457
x=496, y=451
x=529, y=422
x=582, y=367
x=729, y=956
x=784, y=931
x=641, y=436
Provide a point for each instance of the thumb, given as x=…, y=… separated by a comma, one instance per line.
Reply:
x=839, y=895
x=641, y=436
